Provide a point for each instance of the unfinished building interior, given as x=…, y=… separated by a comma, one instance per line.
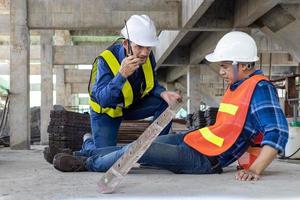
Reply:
x=47, y=48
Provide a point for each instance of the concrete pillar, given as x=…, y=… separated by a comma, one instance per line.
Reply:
x=19, y=76
x=60, y=85
x=193, y=84
x=46, y=83
x=68, y=93
x=74, y=100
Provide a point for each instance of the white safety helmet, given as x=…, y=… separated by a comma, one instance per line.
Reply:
x=234, y=46
x=141, y=30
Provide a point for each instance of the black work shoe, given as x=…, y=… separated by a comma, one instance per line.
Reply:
x=67, y=163
x=49, y=153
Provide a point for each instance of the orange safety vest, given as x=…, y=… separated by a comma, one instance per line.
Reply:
x=231, y=117
x=246, y=160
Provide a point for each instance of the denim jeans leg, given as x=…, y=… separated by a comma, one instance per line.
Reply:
x=103, y=151
x=176, y=158
x=104, y=129
x=174, y=139
x=88, y=151
x=86, y=147
x=101, y=163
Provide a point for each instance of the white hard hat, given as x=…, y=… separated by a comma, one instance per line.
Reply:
x=234, y=46
x=141, y=30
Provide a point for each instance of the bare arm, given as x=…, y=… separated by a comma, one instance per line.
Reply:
x=266, y=156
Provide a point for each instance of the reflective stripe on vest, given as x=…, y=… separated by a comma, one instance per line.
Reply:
x=231, y=117
x=211, y=137
x=117, y=112
x=127, y=92
x=114, y=65
x=149, y=77
x=228, y=108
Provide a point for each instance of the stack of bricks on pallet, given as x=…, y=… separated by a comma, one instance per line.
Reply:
x=130, y=130
x=35, y=124
x=210, y=115
x=201, y=119
x=66, y=129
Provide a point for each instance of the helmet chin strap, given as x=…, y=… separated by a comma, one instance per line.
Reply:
x=235, y=71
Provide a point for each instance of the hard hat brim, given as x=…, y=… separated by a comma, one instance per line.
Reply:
x=153, y=43
x=215, y=58
x=147, y=44
x=212, y=58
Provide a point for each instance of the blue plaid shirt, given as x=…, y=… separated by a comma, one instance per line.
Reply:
x=264, y=115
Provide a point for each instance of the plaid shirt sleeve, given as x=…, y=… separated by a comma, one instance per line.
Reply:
x=268, y=116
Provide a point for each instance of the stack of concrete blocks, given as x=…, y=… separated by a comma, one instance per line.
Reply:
x=66, y=129
x=201, y=119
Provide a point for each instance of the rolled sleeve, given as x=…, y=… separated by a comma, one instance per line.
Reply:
x=276, y=139
x=269, y=117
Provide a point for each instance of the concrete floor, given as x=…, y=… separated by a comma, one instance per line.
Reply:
x=26, y=175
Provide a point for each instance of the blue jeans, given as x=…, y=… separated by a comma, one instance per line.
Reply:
x=167, y=151
x=105, y=129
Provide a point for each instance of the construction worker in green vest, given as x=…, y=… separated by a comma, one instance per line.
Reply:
x=123, y=84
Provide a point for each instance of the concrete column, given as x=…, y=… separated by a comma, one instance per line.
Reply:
x=74, y=100
x=68, y=93
x=60, y=85
x=19, y=76
x=195, y=89
x=46, y=83
x=193, y=84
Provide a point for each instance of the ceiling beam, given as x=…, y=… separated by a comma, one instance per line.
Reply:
x=267, y=44
x=192, y=10
x=34, y=52
x=94, y=32
x=77, y=76
x=79, y=88
x=218, y=17
x=174, y=73
x=246, y=12
x=179, y=56
x=282, y=25
x=76, y=88
x=63, y=55
x=100, y=14
x=203, y=45
x=74, y=55
x=278, y=59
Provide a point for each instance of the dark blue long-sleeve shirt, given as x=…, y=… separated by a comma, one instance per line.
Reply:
x=107, y=89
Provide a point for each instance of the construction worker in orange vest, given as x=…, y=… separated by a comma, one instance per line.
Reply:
x=249, y=109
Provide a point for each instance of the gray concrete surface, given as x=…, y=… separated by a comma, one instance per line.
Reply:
x=26, y=175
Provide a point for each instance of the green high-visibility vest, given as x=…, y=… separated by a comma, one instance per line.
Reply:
x=127, y=92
